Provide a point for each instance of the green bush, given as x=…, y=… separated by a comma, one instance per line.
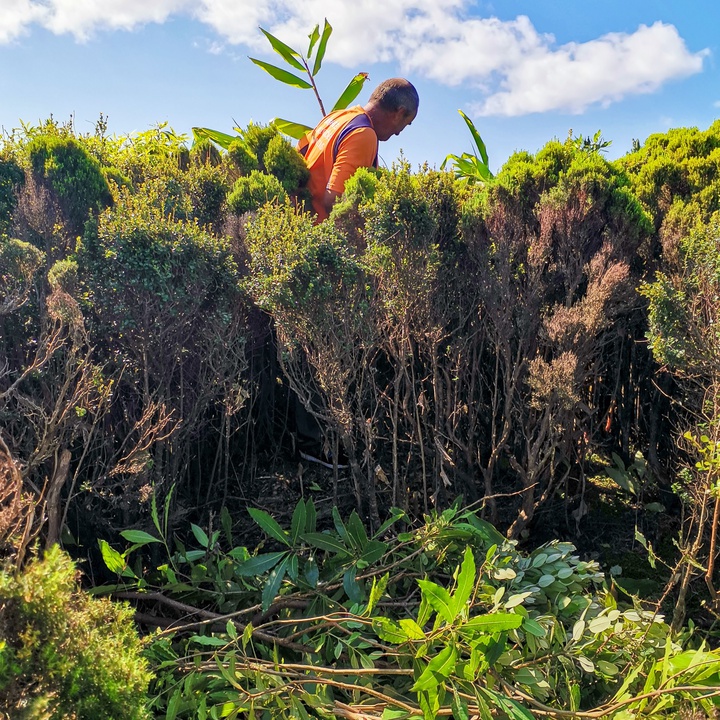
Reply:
x=257, y=137
x=11, y=177
x=63, y=164
x=208, y=188
x=205, y=153
x=19, y=262
x=242, y=157
x=250, y=192
x=63, y=653
x=284, y=162
x=63, y=275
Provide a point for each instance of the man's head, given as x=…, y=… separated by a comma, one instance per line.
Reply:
x=392, y=106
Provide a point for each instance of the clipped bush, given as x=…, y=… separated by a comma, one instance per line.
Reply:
x=74, y=176
x=208, y=188
x=244, y=159
x=205, y=153
x=284, y=162
x=63, y=653
x=257, y=137
x=253, y=191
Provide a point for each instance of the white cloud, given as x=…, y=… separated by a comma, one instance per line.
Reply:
x=517, y=69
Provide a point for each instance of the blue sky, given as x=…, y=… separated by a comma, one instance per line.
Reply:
x=525, y=71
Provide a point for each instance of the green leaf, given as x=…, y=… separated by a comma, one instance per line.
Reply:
x=459, y=707
x=486, y=530
x=325, y=542
x=350, y=92
x=312, y=573
x=259, y=564
x=283, y=75
x=292, y=129
x=285, y=51
x=389, y=631
x=376, y=592
x=139, y=537
x=438, y=598
x=356, y=531
x=395, y=515
x=219, y=138
x=310, y=516
x=314, y=37
x=269, y=525
x=208, y=640
x=374, y=550
x=492, y=623
x=479, y=144
x=322, y=46
x=351, y=587
x=411, y=629
x=112, y=558
x=438, y=670
x=273, y=584
x=465, y=582
x=392, y=714
x=297, y=524
x=200, y=535
x=340, y=527
x=533, y=627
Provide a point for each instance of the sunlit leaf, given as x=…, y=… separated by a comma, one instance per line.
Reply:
x=314, y=37
x=492, y=623
x=112, y=558
x=289, y=55
x=220, y=138
x=465, y=582
x=438, y=598
x=479, y=144
x=438, y=670
x=322, y=46
x=283, y=75
x=350, y=92
x=259, y=564
x=139, y=537
x=389, y=631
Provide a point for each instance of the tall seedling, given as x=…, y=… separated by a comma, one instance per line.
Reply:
x=310, y=65
x=471, y=167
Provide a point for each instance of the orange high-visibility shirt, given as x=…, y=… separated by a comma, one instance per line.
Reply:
x=342, y=142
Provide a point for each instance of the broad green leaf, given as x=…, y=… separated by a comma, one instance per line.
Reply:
x=437, y=670
x=219, y=138
x=231, y=630
x=350, y=92
x=209, y=640
x=291, y=129
x=373, y=551
x=259, y=564
x=325, y=542
x=322, y=46
x=273, y=584
x=297, y=524
x=351, y=587
x=411, y=629
x=314, y=37
x=200, y=535
x=465, y=582
x=533, y=627
x=376, y=592
x=283, y=75
x=438, y=598
x=517, y=599
x=289, y=55
x=389, y=631
x=112, y=558
x=395, y=515
x=392, y=714
x=492, y=623
x=139, y=537
x=486, y=530
x=516, y=711
x=269, y=525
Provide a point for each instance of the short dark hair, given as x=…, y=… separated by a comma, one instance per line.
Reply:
x=396, y=93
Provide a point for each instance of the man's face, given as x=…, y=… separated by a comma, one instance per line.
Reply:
x=397, y=121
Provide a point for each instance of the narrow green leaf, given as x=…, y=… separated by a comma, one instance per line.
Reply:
x=376, y=592
x=200, y=535
x=485, y=529
x=459, y=707
x=291, y=129
x=340, y=526
x=310, y=516
x=226, y=522
x=273, y=584
x=269, y=525
x=350, y=92
x=465, y=582
x=356, y=531
x=492, y=623
x=139, y=537
x=112, y=558
x=439, y=599
x=479, y=144
x=297, y=524
x=392, y=714
x=351, y=586
x=219, y=138
x=374, y=550
x=259, y=564
x=438, y=670
x=283, y=75
x=314, y=37
x=395, y=515
x=289, y=55
x=322, y=46
x=208, y=640
x=325, y=542
x=312, y=572
x=389, y=631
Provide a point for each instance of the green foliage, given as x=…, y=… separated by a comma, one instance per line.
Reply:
x=64, y=654
x=19, y=263
x=63, y=275
x=208, y=188
x=11, y=178
x=204, y=153
x=283, y=161
x=72, y=173
x=242, y=157
x=446, y=618
x=471, y=168
x=255, y=190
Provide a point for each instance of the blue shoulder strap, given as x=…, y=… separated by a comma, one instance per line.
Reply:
x=359, y=121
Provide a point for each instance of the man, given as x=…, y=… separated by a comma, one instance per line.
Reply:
x=346, y=140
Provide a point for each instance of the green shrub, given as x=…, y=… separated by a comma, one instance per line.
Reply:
x=257, y=137
x=19, y=262
x=63, y=275
x=207, y=187
x=11, y=177
x=64, y=165
x=250, y=192
x=205, y=153
x=284, y=162
x=242, y=157
x=63, y=653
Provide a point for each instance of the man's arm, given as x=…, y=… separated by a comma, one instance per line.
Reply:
x=330, y=199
